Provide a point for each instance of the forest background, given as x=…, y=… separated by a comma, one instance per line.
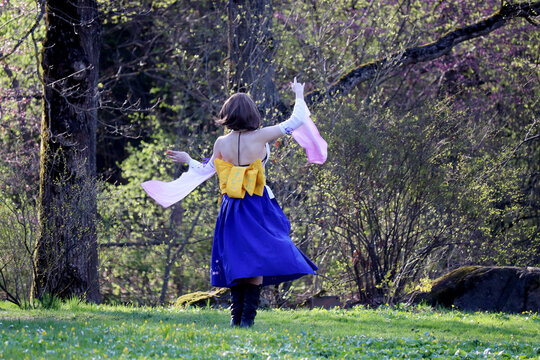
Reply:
x=433, y=163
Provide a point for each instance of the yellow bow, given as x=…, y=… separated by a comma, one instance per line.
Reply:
x=236, y=180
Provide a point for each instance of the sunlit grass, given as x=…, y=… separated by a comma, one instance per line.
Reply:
x=76, y=331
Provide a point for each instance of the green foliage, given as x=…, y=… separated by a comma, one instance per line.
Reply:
x=430, y=169
x=49, y=302
x=134, y=218
x=18, y=231
x=181, y=75
x=85, y=331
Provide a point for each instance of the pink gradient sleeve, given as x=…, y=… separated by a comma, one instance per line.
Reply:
x=168, y=193
x=308, y=137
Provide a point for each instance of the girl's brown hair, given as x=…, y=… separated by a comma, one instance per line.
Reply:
x=239, y=112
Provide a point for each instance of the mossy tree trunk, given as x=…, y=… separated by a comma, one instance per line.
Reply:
x=66, y=256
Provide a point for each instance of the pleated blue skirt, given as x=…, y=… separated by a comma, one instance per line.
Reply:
x=252, y=239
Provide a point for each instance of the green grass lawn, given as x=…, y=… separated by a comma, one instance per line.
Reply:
x=80, y=331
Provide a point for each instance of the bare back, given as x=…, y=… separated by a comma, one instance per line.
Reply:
x=252, y=145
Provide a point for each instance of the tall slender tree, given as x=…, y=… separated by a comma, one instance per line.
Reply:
x=66, y=256
x=251, y=51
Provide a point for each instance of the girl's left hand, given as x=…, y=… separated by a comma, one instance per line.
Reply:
x=298, y=88
x=178, y=156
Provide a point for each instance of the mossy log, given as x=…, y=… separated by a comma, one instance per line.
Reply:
x=217, y=298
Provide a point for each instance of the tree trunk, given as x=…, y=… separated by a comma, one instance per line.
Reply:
x=251, y=51
x=66, y=255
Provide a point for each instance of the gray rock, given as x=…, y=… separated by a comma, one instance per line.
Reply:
x=486, y=288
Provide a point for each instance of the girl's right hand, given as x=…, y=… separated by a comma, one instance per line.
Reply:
x=298, y=88
x=178, y=156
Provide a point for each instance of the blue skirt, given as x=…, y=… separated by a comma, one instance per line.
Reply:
x=252, y=239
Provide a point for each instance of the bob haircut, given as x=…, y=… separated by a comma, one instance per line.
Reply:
x=239, y=112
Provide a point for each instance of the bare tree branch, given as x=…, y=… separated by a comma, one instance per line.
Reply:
x=427, y=52
x=28, y=33
x=151, y=243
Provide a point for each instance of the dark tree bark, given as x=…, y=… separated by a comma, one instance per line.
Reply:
x=251, y=51
x=66, y=256
x=396, y=62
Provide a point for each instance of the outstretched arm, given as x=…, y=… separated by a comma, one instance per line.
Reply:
x=201, y=168
x=168, y=193
x=178, y=156
x=300, y=112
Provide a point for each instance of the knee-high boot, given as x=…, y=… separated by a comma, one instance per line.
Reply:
x=251, y=303
x=237, y=304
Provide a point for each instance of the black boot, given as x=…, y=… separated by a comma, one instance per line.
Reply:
x=237, y=304
x=251, y=303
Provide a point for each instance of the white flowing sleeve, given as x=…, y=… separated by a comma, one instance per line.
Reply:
x=298, y=117
x=168, y=193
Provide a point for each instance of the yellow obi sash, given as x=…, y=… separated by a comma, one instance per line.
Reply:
x=236, y=180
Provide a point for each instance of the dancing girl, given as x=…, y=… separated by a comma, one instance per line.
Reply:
x=252, y=247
